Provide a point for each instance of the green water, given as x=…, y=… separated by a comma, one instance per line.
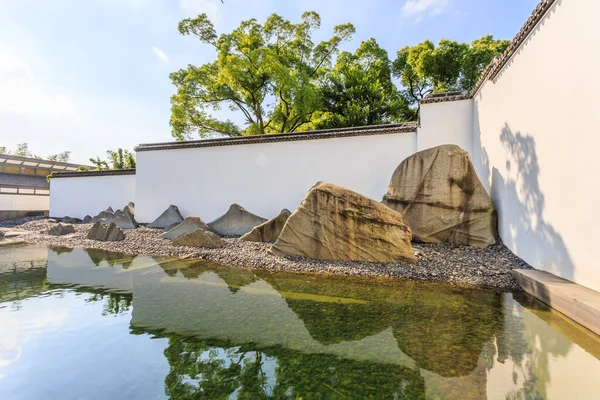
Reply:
x=78, y=324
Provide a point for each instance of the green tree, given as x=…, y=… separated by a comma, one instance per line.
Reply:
x=269, y=73
x=359, y=90
x=450, y=66
x=117, y=159
x=121, y=159
x=65, y=156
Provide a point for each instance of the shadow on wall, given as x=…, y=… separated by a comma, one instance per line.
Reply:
x=520, y=204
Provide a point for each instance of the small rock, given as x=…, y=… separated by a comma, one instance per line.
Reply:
x=169, y=217
x=105, y=233
x=87, y=219
x=235, y=222
x=198, y=238
x=61, y=229
x=268, y=231
x=188, y=225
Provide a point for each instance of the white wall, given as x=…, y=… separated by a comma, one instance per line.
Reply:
x=536, y=140
x=80, y=196
x=448, y=122
x=16, y=202
x=266, y=177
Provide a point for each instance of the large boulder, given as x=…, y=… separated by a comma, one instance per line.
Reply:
x=336, y=223
x=235, y=222
x=268, y=231
x=188, y=225
x=61, y=229
x=198, y=238
x=105, y=232
x=169, y=217
x=123, y=219
x=69, y=220
x=441, y=198
x=101, y=216
x=87, y=219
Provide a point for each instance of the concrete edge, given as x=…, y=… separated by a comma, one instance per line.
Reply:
x=579, y=303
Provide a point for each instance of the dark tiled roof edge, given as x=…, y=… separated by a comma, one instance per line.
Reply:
x=447, y=97
x=284, y=137
x=499, y=62
x=106, y=172
x=493, y=68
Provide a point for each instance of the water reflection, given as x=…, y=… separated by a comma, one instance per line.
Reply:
x=235, y=333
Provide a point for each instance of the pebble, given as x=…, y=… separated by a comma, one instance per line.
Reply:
x=489, y=267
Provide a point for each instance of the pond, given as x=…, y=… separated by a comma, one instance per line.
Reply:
x=88, y=324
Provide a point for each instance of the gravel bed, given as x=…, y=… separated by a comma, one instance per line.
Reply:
x=489, y=267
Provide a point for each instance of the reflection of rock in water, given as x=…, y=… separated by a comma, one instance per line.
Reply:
x=112, y=259
x=60, y=249
x=218, y=369
x=443, y=330
x=236, y=278
x=449, y=340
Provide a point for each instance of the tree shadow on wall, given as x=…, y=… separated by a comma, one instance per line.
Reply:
x=520, y=204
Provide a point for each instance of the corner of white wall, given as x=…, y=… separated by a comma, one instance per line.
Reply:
x=448, y=122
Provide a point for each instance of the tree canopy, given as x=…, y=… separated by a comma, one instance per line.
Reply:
x=450, y=66
x=269, y=73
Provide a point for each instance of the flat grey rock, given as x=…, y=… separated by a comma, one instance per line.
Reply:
x=188, y=225
x=235, y=222
x=198, y=238
x=106, y=233
x=61, y=229
x=169, y=217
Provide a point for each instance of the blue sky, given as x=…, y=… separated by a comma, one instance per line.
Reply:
x=88, y=76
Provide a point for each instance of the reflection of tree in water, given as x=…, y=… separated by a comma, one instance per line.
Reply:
x=114, y=303
x=111, y=258
x=217, y=370
x=22, y=281
x=528, y=342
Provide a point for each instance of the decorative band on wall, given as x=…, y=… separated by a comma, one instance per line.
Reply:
x=106, y=172
x=408, y=127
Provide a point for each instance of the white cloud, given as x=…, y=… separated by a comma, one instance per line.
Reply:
x=418, y=8
x=160, y=54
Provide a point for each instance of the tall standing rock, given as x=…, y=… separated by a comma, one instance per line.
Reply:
x=169, y=217
x=336, y=223
x=441, y=198
x=268, y=231
x=235, y=222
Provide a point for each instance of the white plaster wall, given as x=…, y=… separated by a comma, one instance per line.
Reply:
x=264, y=178
x=447, y=122
x=536, y=140
x=80, y=196
x=15, y=202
